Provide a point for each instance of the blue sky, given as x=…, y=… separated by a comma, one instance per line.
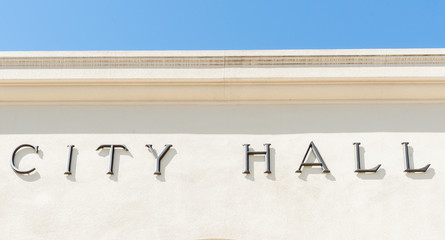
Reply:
x=44, y=25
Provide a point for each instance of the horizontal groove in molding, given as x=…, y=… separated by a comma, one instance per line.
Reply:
x=253, y=102
x=220, y=61
x=223, y=82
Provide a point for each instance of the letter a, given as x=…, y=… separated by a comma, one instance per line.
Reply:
x=317, y=155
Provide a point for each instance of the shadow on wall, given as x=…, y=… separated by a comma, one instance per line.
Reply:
x=242, y=119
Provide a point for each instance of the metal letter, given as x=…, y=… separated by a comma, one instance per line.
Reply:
x=70, y=155
x=158, y=158
x=408, y=167
x=112, y=147
x=247, y=152
x=357, y=158
x=317, y=155
x=35, y=148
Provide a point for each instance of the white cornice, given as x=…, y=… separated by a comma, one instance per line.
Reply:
x=223, y=77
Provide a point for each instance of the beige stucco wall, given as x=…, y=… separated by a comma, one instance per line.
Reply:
x=202, y=193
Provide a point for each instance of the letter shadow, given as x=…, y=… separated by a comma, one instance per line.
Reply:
x=215, y=239
x=380, y=174
x=308, y=170
x=261, y=158
x=429, y=174
x=72, y=176
x=164, y=162
x=31, y=177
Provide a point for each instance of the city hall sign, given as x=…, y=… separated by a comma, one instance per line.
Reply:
x=247, y=153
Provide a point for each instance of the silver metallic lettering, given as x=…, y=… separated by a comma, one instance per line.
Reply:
x=14, y=167
x=111, y=147
x=70, y=156
x=358, y=161
x=317, y=155
x=247, y=153
x=158, y=158
x=407, y=161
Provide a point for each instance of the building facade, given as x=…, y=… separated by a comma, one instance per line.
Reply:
x=209, y=144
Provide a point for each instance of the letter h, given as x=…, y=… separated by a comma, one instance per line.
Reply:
x=247, y=153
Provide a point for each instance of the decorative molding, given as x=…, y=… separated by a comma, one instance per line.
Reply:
x=223, y=77
x=220, y=61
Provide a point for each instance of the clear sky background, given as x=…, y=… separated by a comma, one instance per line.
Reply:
x=42, y=25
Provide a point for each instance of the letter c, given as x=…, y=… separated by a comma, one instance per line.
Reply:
x=14, y=167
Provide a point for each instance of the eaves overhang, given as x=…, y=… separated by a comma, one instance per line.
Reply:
x=223, y=77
